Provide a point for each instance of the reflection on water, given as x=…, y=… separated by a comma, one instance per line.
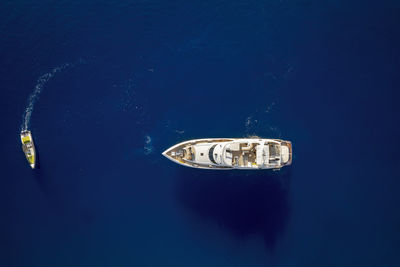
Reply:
x=246, y=203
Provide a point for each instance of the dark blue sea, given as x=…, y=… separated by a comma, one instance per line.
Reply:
x=111, y=84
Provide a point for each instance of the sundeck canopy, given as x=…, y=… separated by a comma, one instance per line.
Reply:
x=262, y=154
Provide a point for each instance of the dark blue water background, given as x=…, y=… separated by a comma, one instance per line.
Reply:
x=149, y=74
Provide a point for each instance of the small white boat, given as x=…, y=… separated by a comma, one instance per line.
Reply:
x=28, y=147
x=232, y=153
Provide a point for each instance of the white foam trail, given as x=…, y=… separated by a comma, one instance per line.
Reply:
x=38, y=89
x=180, y=131
x=148, y=147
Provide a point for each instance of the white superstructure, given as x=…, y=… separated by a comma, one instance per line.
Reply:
x=232, y=153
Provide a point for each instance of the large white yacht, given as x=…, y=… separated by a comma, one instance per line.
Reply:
x=232, y=153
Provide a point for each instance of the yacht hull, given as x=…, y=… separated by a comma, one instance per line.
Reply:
x=243, y=157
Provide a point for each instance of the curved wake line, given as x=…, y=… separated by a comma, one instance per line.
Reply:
x=148, y=147
x=41, y=82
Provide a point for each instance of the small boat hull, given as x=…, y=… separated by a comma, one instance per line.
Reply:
x=28, y=147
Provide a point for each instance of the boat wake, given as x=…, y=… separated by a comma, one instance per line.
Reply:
x=261, y=123
x=148, y=146
x=41, y=82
